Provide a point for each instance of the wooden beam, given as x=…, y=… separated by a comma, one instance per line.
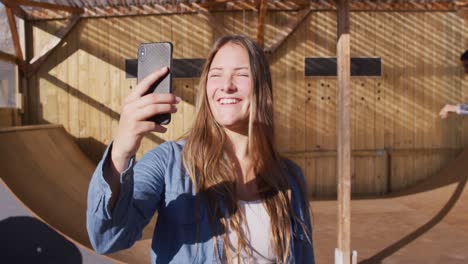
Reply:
x=290, y=28
x=56, y=7
x=8, y=57
x=261, y=23
x=36, y=62
x=344, y=133
x=14, y=34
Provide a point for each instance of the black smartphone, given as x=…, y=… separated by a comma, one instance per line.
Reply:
x=152, y=57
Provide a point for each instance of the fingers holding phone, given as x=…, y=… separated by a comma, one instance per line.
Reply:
x=145, y=84
x=138, y=107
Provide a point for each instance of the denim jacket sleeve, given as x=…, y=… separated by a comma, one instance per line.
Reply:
x=142, y=185
x=462, y=109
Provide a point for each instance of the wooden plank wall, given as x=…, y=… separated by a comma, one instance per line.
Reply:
x=397, y=137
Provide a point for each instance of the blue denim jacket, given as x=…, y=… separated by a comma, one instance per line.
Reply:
x=158, y=182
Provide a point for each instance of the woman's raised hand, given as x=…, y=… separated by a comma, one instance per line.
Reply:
x=447, y=109
x=133, y=124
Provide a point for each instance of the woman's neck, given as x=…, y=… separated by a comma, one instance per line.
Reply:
x=238, y=151
x=237, y=144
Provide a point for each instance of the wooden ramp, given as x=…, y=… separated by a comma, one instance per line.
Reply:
x=48, y=176
x=46, y=171
x=425, y=224
x=27, y=239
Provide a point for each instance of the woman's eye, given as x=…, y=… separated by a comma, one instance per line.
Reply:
x=214, y=75
x=244, y=74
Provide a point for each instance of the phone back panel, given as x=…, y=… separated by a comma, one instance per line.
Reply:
x=152, y=57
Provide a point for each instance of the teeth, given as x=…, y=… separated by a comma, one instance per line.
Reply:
x=228, y=101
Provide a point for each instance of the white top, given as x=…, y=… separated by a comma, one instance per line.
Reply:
x=256, y=229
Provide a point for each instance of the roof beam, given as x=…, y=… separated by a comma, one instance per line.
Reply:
x=14, y=35
x=290, y=28
x=56, y=7
x=36, y=62
x=124, y=9
x=261, y=23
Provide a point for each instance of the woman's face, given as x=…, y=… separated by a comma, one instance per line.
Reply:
x=229, y=86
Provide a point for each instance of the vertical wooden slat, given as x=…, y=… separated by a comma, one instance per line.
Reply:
x=52, y=111
x=95, y=85
x=381, y=110
x=296, y=55
x=62, y=86
x=229, y=23
x=72, y=77
x=261, y=23
x=421, y=92
x=83, y=71
x=180, y=31
x=310, y=108
x=117, y=72
x=193, y=49
x=281, y=92
x=344, y=147
x=107, y=47
x=177, y=27
x=400, y=107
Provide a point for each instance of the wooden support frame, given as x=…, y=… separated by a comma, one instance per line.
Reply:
x=17, y=10
x=15, y=37
x=290, y=28
x=36, y=62
x=261, y=23
x=344, y=133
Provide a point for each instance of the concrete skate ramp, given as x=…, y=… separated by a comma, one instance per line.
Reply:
x=424, y=224
x=45, y=169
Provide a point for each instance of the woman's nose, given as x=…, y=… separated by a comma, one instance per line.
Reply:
x=228, y=85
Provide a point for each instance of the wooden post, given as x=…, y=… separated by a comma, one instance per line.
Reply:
x=344, y=128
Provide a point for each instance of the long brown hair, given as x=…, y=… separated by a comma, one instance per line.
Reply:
x=212, y=172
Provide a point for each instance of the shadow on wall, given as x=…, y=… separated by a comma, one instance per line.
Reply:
x=28, y=240
x=94, y=148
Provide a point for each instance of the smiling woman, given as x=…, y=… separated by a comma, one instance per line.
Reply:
x=223, y=193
